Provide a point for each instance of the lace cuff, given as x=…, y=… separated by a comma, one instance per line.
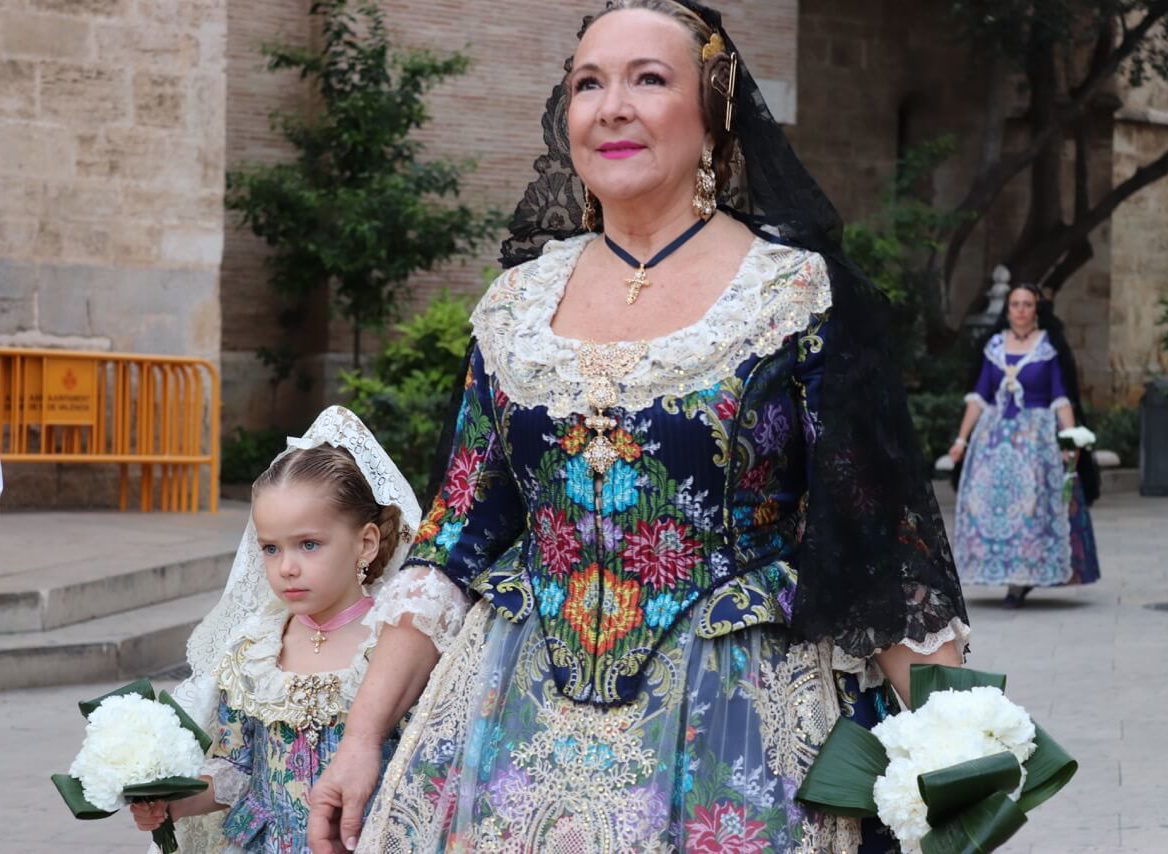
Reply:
x=227, y=781
x=435, y=603
x=1059, y=403
x=974, y=397
x=869, y=671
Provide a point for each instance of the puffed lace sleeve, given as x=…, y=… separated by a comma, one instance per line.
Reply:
x=434, y=603
x=229, y=761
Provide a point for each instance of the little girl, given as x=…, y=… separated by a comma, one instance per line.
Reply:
x=276, y=665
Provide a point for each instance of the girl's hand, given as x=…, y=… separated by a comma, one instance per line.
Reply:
x=149, y=815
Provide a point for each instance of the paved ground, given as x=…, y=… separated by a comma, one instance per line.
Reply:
x=1089, y=664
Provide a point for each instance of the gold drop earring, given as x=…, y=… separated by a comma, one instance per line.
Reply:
x=705, y=200
x=362, y=572
x=588, y=217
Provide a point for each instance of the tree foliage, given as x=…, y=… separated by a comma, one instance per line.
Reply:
x=1071, y=56
x=358, y=209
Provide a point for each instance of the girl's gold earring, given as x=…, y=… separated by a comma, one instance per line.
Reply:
x=362, y=572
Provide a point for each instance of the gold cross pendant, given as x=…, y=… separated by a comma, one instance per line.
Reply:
x=639, y=280
x=317, y=639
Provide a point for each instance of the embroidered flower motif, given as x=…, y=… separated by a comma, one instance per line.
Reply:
x=551, y=596
x=430, y=525
x=510, y=795
x=301, y=759
x=660, y=553
x=766, y=513
x=449, y=535
x=620, y=488
x=773, y=428
x=580, y=482
x=574, y=441
x=726, y=408
x=610, y=533
x=625, y=445
x=661, y=610
x=724, y=827
x=756, y=479
x=618, y=614
x=556, y=538
x=462, y=479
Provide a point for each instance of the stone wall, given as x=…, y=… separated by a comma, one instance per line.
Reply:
x=111, y=189
x=1139, y=247
x=492, y=114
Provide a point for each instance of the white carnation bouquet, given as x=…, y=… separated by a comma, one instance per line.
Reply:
x=136, y=748
x=957, y=774
x=1076, y=439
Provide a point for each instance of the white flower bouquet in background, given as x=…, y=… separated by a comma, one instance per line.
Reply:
x=956, y=775
x=1077, y=439
x=136, y=748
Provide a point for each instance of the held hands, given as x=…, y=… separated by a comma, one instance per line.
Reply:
x=148, y=815
x=337, y=801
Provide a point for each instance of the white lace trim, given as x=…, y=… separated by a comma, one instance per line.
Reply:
x=868, y=670
x=1059, y=403
x=974, y=397
x=254, y=682
x=772, y=296
x=228, y=783
x=435, y=603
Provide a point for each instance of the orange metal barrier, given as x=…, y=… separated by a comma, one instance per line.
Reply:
x=157, y=412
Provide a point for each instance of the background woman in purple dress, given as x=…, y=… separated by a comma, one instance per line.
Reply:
x=1014, y=525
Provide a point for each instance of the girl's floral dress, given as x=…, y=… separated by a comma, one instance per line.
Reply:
x=625, y=680
x=277, y=732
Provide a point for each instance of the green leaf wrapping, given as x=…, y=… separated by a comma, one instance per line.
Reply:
x=949, y=791
x=141, y=687
x=1047, y=771
x=71, y=791
x=841, y=779
x=187, y=721
x=924, y=679
x=981, y=828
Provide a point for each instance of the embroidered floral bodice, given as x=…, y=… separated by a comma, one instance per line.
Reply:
x=277, y=732
x=701, y=511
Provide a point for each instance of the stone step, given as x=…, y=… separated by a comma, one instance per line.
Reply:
x=121, y=646
x=59, y=569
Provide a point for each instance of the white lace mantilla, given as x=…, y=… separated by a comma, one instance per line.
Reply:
x=254, y=683
x=434, y=603
x=773, y=295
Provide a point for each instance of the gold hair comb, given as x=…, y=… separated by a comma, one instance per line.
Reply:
x=713, y=47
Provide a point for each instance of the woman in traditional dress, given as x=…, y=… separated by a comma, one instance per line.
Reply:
x=1020, y=522
x=683, y=500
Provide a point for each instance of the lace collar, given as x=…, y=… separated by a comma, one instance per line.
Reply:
x=1011, y=385
x=255, y=684
x=773, y=295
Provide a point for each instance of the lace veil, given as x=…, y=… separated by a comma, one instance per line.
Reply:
x=247, y=591
x=875, y=567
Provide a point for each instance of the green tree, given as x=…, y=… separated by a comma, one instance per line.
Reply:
x=1071, y=57
x=358, y=210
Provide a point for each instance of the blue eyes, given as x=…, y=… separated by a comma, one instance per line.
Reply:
x=308, y=545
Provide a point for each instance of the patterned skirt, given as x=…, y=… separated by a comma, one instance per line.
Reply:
x=1013, y=524
x=708, y=757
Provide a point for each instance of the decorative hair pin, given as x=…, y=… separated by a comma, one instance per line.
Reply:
x=730, y=89
x=713, y=47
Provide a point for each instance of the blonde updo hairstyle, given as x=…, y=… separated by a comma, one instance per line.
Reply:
x=713, y=75
x=348, y=491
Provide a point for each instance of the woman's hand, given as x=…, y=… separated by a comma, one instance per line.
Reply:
x=148, y=815
x=957, y=451
x=337, y=801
